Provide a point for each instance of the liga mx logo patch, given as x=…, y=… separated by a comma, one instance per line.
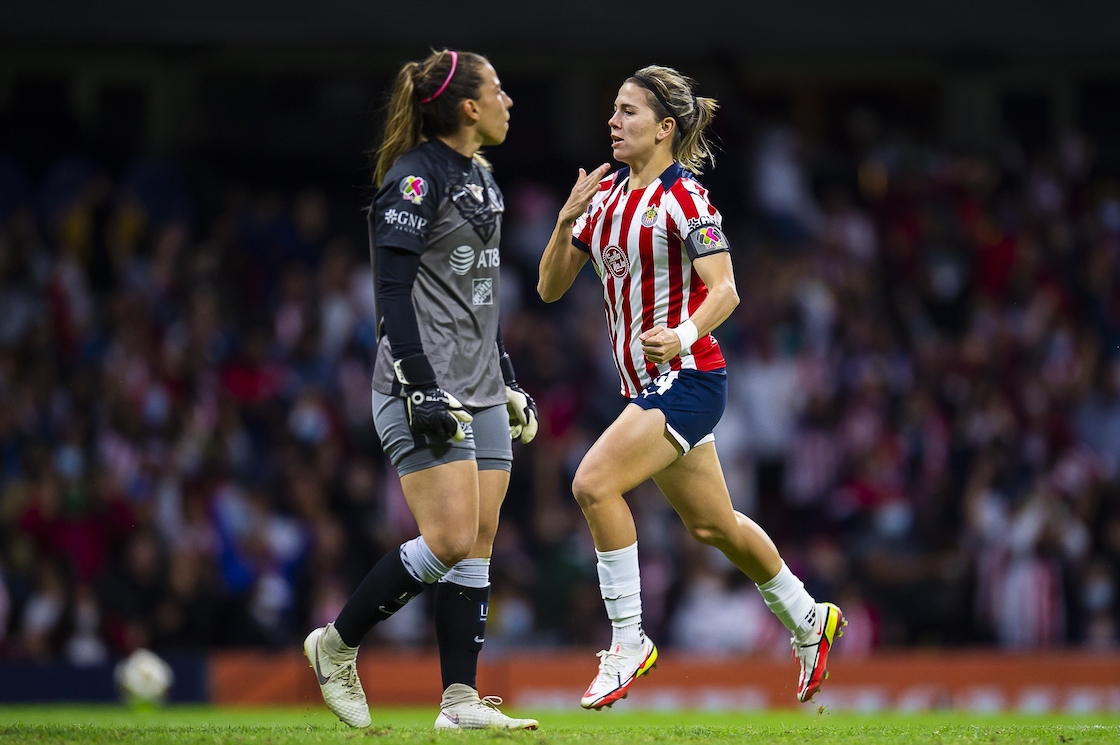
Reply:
x=649, y=217
x=711, y=237
x=413, y=189
x=483, y=291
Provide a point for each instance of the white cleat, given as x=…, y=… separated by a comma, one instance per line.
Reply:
x=811, y=653
x=618, y=669
x=463, y=709
x=338, y=680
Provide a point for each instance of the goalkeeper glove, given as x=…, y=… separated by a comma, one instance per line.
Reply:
x=520, y=405
x=432, y=412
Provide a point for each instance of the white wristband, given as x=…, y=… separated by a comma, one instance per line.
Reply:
x=687, y=333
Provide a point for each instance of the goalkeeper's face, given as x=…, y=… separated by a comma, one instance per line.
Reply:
x=493, y=105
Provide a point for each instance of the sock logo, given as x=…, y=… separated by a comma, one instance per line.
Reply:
x=483, y=610
x=811, y=616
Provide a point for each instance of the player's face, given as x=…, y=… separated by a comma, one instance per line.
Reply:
x=493, y=108
x=634, y=126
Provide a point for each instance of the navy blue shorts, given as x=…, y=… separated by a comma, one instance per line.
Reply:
x=692, y=401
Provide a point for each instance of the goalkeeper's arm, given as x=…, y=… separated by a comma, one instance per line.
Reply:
x=520, y=405
x=432, y=412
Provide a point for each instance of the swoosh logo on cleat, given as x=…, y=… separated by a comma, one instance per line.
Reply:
x=452, y=719
x=322, y=680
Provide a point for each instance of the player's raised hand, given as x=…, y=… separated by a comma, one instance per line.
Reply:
x=586, y=186
x=660, y=344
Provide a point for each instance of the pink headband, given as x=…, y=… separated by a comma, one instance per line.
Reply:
x=454, y=63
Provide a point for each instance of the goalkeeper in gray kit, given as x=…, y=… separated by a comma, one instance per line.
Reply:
x=446, y=402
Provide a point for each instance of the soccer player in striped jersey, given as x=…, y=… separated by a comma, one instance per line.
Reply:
x=657, y=243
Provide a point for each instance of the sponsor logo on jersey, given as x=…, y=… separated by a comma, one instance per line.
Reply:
x=699, y=222
x=483, y=291
x=616, y=261
x=462, y=260
x=488, y=258
x=405, y=221
x=413, y=189
x=711, y=237
x=649, y=217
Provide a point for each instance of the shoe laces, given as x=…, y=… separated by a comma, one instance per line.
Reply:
x=347, y=673
x=492, y=702
x=610, y=662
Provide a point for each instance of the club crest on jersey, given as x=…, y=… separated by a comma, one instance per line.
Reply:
x=413, y=189
x=649, y=217
x=711, y=237
x=475, y=191
x=616, y=261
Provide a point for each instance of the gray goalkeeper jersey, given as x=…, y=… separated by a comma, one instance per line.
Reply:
x=446, y=207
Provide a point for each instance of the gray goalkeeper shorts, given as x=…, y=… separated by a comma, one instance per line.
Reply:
x=487, y=439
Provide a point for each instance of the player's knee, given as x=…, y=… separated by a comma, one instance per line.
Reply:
x=708, y=533
x=587, y=490
x=452, y=546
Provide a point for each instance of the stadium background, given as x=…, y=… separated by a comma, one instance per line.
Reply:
x=925, y=368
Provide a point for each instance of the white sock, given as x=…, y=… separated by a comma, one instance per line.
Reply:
x=785, y=595
x=620, y=584
x=469, y=573
x=420, y=562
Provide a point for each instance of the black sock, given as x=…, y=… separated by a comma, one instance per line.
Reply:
x=386, y=589
x=460, y=630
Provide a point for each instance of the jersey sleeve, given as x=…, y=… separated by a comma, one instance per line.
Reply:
x=405, y=206
x=697, y=223
x=585, y=223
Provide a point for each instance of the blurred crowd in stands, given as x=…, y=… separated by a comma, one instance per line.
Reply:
x=924, y=414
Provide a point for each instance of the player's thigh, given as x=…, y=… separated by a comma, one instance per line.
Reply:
x=444, y=501
x=494, y=455
x=439, y=479
x=631, y=450
x=695, y=487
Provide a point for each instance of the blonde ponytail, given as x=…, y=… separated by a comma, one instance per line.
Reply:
x=402, y=123
x=672, y=97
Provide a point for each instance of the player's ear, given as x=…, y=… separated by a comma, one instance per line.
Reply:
x=469, y=109
x=666, y=128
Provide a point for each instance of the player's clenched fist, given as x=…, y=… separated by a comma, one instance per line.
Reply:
x=660, y=344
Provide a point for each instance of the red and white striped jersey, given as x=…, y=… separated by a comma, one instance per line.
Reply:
x=642, y=243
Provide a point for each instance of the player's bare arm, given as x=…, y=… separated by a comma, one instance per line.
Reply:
x=562, y=261
x=660, y=344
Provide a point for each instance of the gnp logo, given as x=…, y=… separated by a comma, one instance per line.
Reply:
x=413, y=189
x=711, y=237
x=406, y=221
x=616, y=262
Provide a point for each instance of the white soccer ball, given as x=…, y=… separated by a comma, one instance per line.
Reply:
x=143, y=678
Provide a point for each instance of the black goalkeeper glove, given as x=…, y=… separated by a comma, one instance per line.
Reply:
x=432, y=412
x=520, y=405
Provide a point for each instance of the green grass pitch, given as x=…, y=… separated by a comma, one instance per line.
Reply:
x=185, y=725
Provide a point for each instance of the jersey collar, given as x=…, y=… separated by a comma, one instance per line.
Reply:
x=671, y=175
x=453, y=155
x=668, y=177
